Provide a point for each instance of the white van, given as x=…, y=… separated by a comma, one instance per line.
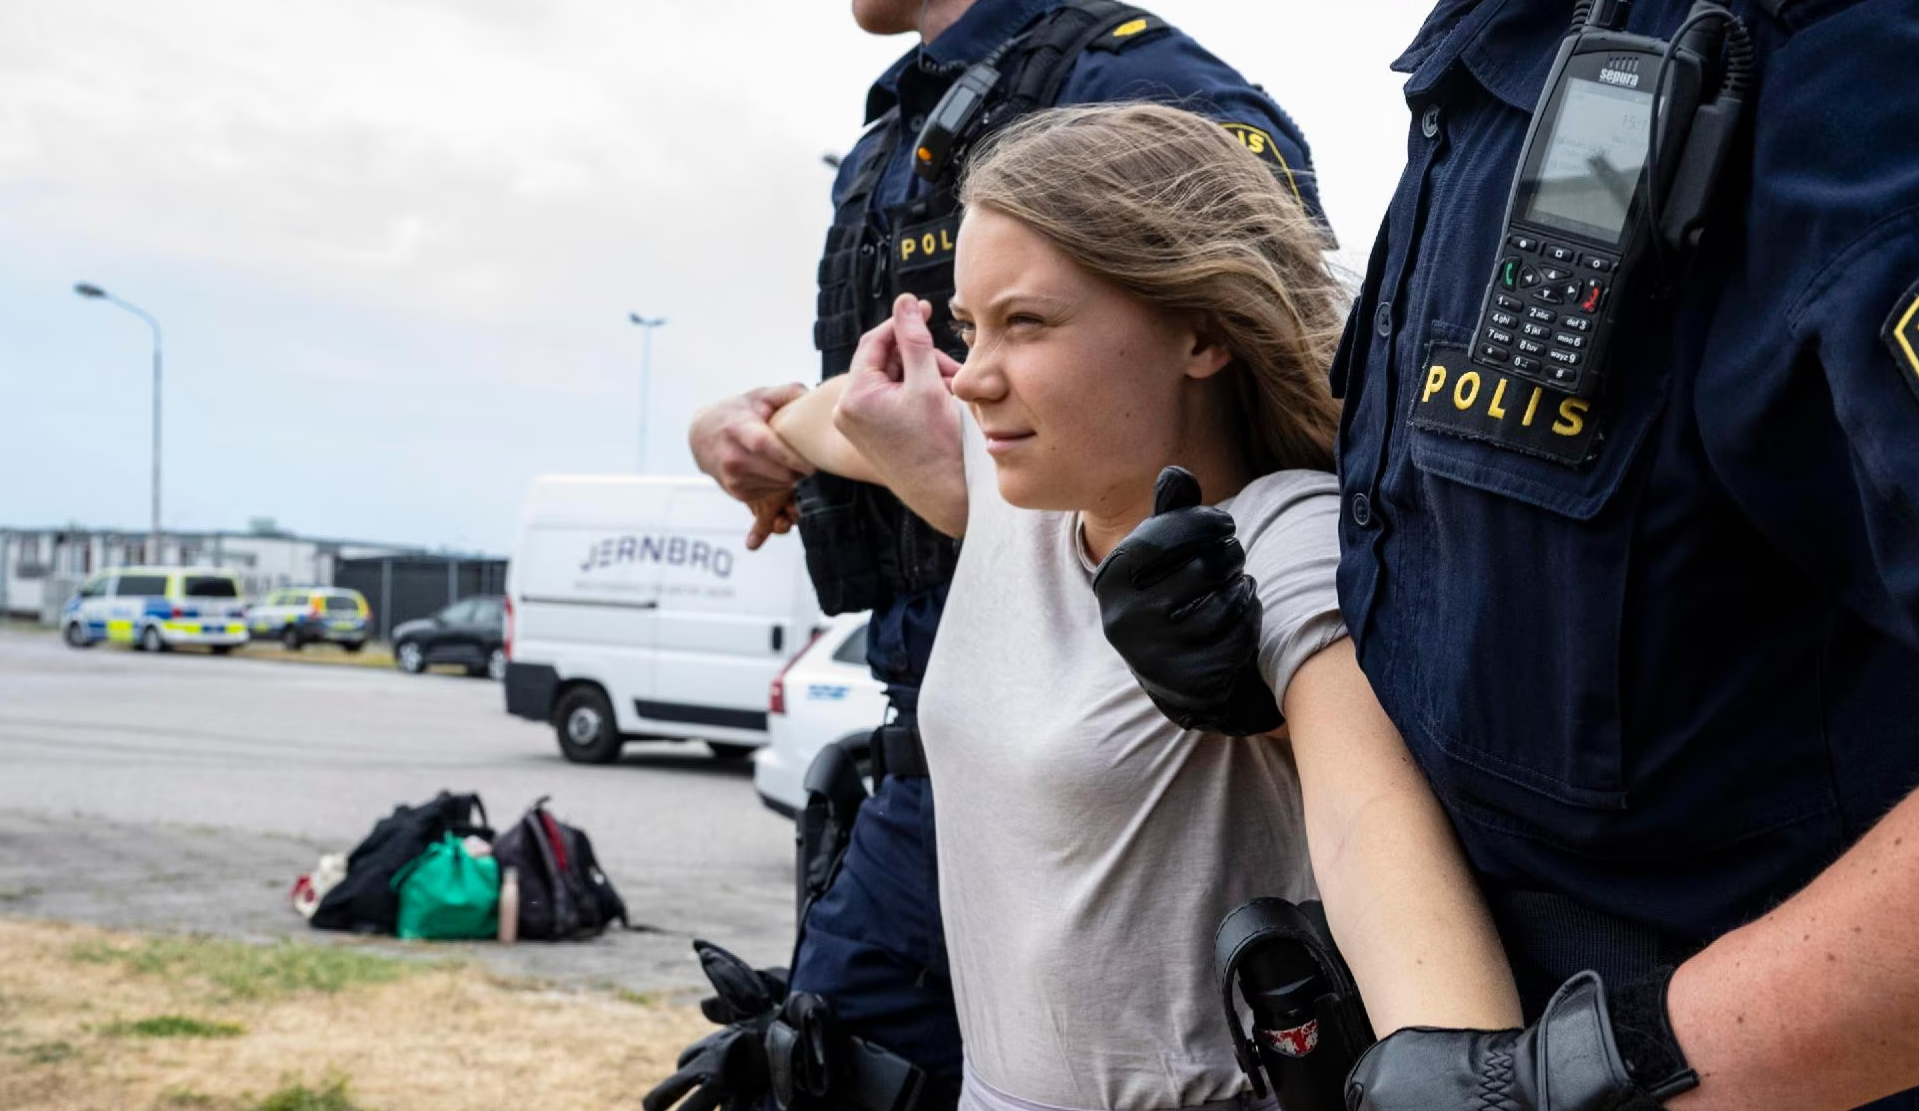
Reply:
x=634, y=611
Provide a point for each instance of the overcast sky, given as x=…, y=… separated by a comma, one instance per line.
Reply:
x=393, y=243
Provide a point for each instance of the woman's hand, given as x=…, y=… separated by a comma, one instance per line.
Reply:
x=898, y=412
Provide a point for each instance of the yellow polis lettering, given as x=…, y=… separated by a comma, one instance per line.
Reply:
x=906, y=247
x=1435, y=381
x=1129, y=29
x=1532, y=406
x=1572, y=418
x=1463, y=398
x=1493, y=408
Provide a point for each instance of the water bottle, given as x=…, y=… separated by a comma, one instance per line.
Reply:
x=509, y=906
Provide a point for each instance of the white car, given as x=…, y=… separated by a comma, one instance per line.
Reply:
x=826, y=694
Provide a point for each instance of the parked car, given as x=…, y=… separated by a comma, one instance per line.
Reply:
x=157, y=608
x=825, y=694
x=299, y=616
x=635, y=612
x=470, y=632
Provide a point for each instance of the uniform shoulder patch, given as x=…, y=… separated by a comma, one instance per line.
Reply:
x=1129, y=33
x=1901, y=334
x=1260, y=142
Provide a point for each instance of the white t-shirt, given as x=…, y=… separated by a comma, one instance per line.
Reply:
x=1088, y=847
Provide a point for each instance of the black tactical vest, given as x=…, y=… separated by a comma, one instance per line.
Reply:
x=863, y=547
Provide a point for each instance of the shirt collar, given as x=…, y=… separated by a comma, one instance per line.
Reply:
x=976, y=32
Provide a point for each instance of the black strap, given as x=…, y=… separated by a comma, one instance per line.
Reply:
x=1549, y=938
x=1053, y=49
x=897, y=751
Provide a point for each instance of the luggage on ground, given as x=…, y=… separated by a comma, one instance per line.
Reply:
x=563, y=894
x=365, y=901
x=448, y=894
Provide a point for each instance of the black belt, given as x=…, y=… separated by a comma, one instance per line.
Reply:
x=896, y=751
x=1550, y=938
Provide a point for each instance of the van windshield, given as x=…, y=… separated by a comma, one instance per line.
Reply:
x=141, y=586
x=211, y=586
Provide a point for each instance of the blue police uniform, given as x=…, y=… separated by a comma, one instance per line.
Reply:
x=872, y=944
x=1659, y=689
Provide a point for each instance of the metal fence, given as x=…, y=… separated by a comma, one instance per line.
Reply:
x=399, y=589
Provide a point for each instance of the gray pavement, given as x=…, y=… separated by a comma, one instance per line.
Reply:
x=183, y=792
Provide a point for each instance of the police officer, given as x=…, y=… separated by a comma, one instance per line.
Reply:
x=1668, y=690
x=870, y=945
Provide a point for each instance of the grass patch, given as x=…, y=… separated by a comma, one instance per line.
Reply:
x=243, y=971
x=184, y=1097
x=332, y=1096
x=48, y=1053
x=17, y=894
x=174, y=1026
x=639, y=998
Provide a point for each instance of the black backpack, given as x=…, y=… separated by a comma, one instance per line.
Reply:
x=563, y=894
x=364, y=901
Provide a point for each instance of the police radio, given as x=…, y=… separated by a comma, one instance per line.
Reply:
x=1615, y=180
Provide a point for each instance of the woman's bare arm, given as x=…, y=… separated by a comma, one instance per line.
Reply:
x=806, y=424
x=1401, y=902
x=889, y=420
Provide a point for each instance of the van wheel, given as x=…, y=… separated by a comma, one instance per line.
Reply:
x=290, y=639
x=151, y=640
x=730, y=752
x=76, y=636
x=223, y=649
x=352, y=645
x=587, y=732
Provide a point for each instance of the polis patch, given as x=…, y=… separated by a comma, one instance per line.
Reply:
x=1458, y=398
x=1901, y=334
x=1260, y=142
x=924, y=245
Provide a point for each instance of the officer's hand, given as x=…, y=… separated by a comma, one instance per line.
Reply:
x=732, y=442
x=1180, y=609
x=725, y=1070
x=898, y=411
x=1567, y=1061
x=773, y=515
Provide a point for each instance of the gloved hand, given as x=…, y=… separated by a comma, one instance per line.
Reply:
x=1180, y=609
x=727, y=1068
x=1567, y=1061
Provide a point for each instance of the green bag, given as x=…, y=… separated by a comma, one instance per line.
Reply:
x=447, y=894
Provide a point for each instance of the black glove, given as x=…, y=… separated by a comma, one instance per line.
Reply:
x=1180, y=609
x=1567, y=1061
x=726, y=1069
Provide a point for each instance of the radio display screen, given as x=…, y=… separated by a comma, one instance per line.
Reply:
x=1590, y=169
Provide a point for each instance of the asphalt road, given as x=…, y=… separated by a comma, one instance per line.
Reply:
x=184, y=792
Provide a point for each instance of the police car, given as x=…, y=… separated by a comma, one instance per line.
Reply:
x=299, y=616
x=157, y=608
x=825, y=694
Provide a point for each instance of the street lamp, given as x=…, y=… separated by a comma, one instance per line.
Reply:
x=646, y=325
x=94, y=292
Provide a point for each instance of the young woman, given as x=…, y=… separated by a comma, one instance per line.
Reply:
x=1137, y=290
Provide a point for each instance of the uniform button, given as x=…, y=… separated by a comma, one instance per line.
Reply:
x=1362, y=510
x=916, y=124
x=1429, y=123
x=1383, y=319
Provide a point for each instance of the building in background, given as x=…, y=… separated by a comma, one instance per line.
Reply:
x=40, y=568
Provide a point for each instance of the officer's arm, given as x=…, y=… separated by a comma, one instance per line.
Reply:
x=1816, y=1005
x=1398, y=895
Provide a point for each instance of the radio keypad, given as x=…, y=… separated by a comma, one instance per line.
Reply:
x=1540, y=320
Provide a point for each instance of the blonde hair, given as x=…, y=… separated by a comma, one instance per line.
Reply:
x=1172, y=209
